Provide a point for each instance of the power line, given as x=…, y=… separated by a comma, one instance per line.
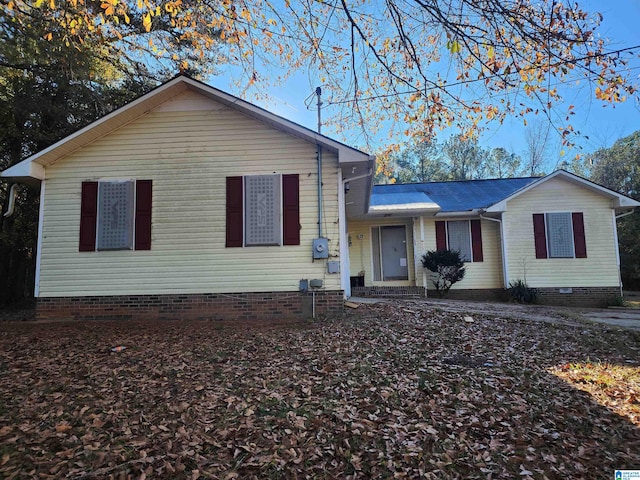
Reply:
x=496, y=75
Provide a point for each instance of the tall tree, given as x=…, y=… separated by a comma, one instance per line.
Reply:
x=502, y=164
x=408, y=66
x=466, y=158
x=420, y=161
x=618, y=168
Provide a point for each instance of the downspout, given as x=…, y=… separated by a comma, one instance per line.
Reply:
x=503, y=241
x=319, y=191
x=615, y=241
x=13, y=193
x=319, y=94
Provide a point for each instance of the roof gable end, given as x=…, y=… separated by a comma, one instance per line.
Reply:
x=619, y=201
x=31, y=167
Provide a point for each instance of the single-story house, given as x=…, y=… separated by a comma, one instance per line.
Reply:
x=192, y=203
x=556, y=233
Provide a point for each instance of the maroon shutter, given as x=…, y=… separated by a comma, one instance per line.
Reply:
x=579, y=240
x=88, y=216
x=291, y=209
x=143, y=215
x=476, y=240
x=234, y=211
x=540, y=235
x=441, y=236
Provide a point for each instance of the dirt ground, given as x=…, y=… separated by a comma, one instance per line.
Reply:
x=622, y=317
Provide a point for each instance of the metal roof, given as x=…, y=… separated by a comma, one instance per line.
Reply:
x=455, y=196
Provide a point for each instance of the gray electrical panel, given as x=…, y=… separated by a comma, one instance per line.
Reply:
x=333, y=266
x=320, y=248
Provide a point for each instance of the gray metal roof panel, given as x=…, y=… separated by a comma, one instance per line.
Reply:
x=455, y=196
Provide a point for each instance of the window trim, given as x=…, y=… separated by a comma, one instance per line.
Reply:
x=548, y=233
x=245, y=192
x=468, y=222
x=132, y=244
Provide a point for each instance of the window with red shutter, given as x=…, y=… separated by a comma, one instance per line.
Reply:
x=464, y=236
x=254, y=204
x=107, y=218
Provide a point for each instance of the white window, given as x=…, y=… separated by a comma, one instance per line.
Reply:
x=115, y=215
x=459, y=238
x=263, y=207
x=560, y=235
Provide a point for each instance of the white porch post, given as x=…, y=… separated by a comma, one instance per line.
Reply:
x=345, y=275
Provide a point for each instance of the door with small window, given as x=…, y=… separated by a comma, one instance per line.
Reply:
x=390, y=253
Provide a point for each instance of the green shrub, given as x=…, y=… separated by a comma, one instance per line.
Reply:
x=520, y=292
x=448, y=267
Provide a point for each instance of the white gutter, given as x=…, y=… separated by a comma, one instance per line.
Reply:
x=503, y=241
x=13, y=192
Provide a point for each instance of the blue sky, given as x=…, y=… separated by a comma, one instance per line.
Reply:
x=602, y=124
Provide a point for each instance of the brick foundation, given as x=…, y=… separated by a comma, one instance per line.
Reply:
x=213, y=306
x=380, y=291
x=477, y=294
x=578, y=296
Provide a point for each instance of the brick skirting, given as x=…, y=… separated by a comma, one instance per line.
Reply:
x=570, y=297
x=578, y=296
x=381, y=291
x=213, y=306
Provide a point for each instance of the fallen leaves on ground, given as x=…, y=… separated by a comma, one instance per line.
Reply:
x=385, y=392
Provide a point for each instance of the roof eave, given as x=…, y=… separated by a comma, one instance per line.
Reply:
x=23, y=171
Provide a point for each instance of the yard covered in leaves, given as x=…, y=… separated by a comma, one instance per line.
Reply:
x=386, y=392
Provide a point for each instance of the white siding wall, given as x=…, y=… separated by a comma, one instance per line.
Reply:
x=187, y=147
x=598, y=269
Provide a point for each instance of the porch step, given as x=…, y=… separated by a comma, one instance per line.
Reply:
x=407, y=292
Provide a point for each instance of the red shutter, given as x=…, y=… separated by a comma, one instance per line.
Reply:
x=88, y=216
x=441, y=236
x=291, y=209
x=476, y=240
x=578, y=235
x=234, y=212
x=540, y=235
x=143, y=214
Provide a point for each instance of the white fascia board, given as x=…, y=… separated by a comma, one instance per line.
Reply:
x=24, y=169
x=467, y=213
x=405, y=208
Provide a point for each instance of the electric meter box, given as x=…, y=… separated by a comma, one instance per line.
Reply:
x=321, y=248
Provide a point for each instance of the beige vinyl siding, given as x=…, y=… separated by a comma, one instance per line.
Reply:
x=485, y=274
x=187, y=147
x=557, y=195
x=360, y=256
